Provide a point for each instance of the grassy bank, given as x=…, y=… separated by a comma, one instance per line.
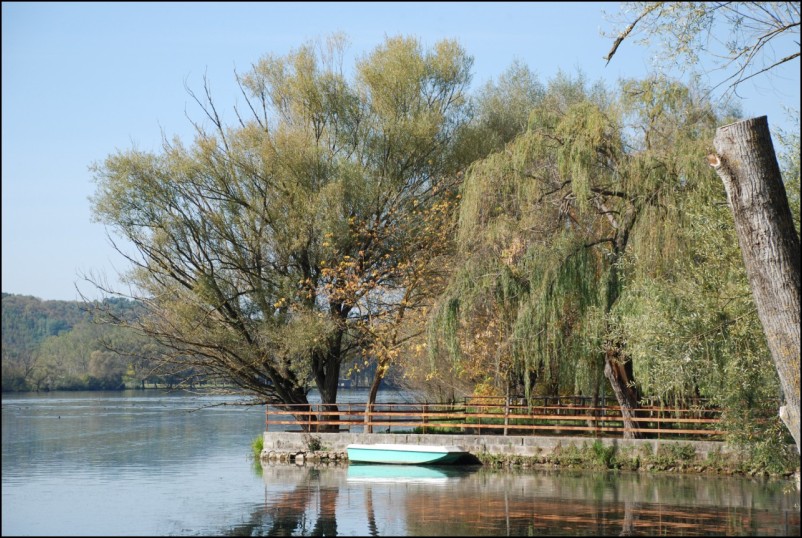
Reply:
x=680, y=458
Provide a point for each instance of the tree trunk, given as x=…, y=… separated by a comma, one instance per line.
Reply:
x=378, y=376
x=623, y=386
x=326, y=369
x=384, y=363
x=617, y=369
x=746, y=163
x=372, y=394
x=291, y=398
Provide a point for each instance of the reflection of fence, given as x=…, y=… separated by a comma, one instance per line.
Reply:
x=568, y=415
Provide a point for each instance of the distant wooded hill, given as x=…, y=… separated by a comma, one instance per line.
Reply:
x=54, y=345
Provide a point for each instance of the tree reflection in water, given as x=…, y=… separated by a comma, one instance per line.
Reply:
x=289, y=513
x=309, y=501
x=631, y=510
x=372, y=530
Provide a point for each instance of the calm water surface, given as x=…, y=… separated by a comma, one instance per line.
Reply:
x=153, y=463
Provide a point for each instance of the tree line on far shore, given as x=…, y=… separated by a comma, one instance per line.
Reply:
x=54, y=345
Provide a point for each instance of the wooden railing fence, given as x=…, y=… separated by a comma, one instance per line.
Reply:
x=573, y=415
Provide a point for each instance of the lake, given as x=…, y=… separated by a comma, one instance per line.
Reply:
x=156, y=463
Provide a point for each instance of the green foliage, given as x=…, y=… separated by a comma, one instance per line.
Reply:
x=436, y=430
x=594, y=456
x=689, y=310
x=257, y=445
x=762, y=441
x=569, y=456
x=507, y=263
x=501, y=110
x=669, y=457
x=554, y=231
x=28, y=320
x=604, y=455
x=601, y=229
x=789, y=155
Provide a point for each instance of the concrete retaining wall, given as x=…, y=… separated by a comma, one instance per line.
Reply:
x=475, y=444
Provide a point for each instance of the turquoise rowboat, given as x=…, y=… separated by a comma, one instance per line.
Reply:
x=404, y=454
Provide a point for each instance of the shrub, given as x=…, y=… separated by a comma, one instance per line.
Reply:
x=569, y=456
x=603, y=456
x=257, y=446
x=437, y=429
x=313, y=444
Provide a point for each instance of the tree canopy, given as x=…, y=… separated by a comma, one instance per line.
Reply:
x=587, y=252
x=268, y=251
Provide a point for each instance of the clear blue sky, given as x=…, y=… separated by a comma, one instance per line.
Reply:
x=82, y=80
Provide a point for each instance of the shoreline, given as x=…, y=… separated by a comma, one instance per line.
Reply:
x=541, y=452
x=494, y=461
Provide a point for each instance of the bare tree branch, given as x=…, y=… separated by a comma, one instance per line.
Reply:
x=623, y=35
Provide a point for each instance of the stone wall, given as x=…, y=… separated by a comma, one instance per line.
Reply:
x=295, y=442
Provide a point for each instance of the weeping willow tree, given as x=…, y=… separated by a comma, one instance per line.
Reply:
x=549, y=228
x=693, y=330
x=267, y=250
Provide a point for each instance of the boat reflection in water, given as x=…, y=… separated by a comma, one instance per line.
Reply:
x=456, y=500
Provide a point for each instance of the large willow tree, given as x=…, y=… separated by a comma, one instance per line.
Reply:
x=557, y=229
x=268, y=250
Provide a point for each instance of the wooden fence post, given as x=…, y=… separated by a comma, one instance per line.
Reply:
x=506, y=413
